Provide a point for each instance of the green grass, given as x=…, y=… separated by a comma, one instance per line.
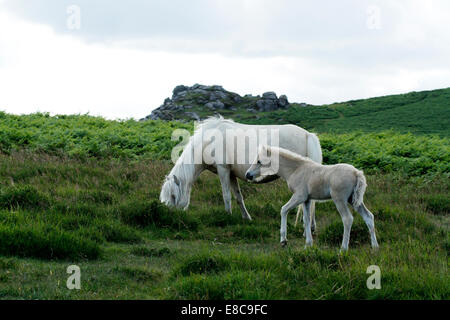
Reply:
x=129, y=246
x=25, y=196
x=425, y=112
x=45, y=243
x=83, y=190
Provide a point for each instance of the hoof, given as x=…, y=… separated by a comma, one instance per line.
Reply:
x=283, y=243
x=249, y=218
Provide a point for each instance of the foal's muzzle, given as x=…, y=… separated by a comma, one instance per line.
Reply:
x=249, y=176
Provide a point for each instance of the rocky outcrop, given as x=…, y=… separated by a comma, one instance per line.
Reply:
x=270, y=102
x=212, y=100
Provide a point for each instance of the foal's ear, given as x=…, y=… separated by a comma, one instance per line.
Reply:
x=262, y=149
x=266, y=151
x=175, y=178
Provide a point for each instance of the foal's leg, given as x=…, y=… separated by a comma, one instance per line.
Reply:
x=313, y=216
x=239, y=198
x=294, y=201
x=224, y=176
x=347, y=220
x=369, y=220
x=307, y=222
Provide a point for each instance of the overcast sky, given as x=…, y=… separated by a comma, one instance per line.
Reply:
x=121, y=59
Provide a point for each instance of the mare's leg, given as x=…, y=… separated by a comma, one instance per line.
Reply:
x=299, y=211
x=239, y=198
x=224, y=176
x=307, y=222
x=347, y=220
x=369, y=220
x=294, y=201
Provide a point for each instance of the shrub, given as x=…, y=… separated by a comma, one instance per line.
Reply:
x=39, y=242
x=333, y=233
x=22, y=196
x=78, y=208
x=202, y=263
x=153, y=213
x=313, y=255
x=116, y=232
x=220, y=218
x=227, y=286
x=7, y=263
x=140, y=274
x=269, y=211
x=97, y=196
x=83, y=136
x=71, y=223
x=438, y=203
x=151, y=252
x=386, y=214
x=251, y=232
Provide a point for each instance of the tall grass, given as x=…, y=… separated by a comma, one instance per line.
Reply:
x=71, y=193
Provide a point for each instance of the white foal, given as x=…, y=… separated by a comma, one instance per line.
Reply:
x=309, y=181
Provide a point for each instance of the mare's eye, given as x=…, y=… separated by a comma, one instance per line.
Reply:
x=259, y=162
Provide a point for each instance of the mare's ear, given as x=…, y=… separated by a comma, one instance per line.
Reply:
x=175, y=178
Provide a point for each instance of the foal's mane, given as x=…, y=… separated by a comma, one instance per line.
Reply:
x=288, y=154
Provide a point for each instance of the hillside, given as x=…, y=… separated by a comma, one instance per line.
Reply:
x=77, y=189
x=417, y=112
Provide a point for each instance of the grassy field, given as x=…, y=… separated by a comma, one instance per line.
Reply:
x=104, y=217
x=83, y=190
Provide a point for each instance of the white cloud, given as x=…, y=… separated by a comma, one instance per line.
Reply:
x=43, y=68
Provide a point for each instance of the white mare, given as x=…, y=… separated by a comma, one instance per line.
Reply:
x=228, y=163
x=309, y=181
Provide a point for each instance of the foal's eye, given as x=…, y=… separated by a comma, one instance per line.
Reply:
x=259, y=162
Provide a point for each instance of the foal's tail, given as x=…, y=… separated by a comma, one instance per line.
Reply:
x=360, y=188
